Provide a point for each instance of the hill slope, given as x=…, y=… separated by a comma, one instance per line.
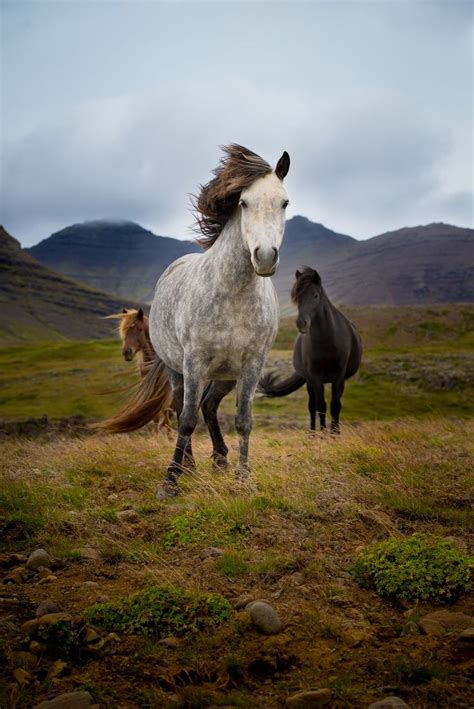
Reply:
x=424, y=264
x=36, y=303
x=118, y=257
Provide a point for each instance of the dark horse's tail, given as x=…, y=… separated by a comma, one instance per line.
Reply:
x=153, y=400
x=270, y=386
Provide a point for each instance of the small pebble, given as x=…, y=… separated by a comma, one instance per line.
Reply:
x=389, y=703
x=169, y=642
x=128, y=516
x=38, y=558
x=47, y=606
x=70, y=700
x=264, y=617
x=90, y=584
x=467, y=635
x=309, y=699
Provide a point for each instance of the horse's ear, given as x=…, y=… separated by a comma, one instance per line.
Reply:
x=297, y=274
x=140, y=314
x=124, y=310
x=283, y=165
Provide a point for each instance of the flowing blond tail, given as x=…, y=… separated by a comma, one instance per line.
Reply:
x=152, y=401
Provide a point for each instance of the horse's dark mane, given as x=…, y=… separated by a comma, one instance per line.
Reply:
x=308, y=277
x=216, y=201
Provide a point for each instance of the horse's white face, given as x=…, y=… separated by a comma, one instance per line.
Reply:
x=262, y=214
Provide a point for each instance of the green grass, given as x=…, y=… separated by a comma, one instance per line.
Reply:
x=417, y=361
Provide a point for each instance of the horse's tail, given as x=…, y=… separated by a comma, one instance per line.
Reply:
x=152, y=400
x=270, y=386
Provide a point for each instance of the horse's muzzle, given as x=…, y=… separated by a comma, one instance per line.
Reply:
x=128, y=355
x=265, y=261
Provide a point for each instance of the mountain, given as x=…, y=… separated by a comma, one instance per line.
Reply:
x=38, y=304
x=118, y=257
x=424, y=264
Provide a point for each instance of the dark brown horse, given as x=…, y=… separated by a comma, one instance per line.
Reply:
x=327, y=350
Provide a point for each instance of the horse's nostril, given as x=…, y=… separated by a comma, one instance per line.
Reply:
x=255, y=253
x=275, y=255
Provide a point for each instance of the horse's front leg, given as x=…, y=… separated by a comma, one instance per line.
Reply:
x=246, y=387
x=193, y=391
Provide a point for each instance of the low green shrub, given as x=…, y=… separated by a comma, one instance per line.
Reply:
x=420, y=567
x=159, y=611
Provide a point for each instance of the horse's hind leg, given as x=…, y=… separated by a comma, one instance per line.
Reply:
x=212, y=399
x=336, y=406
x=193, y=390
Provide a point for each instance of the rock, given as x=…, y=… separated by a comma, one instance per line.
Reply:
x=170, y=642
x=31, y=625
x=211, y=553
x=44, y=572
x=131, y=516
x=90, y=636
x=88, y=553
x=297, y=578
x=25, y=660
x=16, y=576
x=22, y=676
x=389, y=703
x=57, y=669
x=264, y=617
x=113, y=497
x=242, y=601
x=71, y=700
x=38, y=558
x=47, y=579
x=47, y=606
x=90, y=584
x=445, y=622
x=309, y=699
x=467, y=635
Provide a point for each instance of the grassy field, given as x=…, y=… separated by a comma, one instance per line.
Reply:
x=402, y=465
x=417, y=361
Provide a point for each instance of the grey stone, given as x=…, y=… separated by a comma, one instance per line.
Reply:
x=389, y=703
x=70, y=700
x=38, y=558
x=128, y=516
x=264, y=617
x=170, y=642
x=90, y=584
x=46, y=607
x=309, y=699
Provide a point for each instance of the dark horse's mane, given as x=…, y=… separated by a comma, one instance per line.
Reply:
x=216, y=201
x=308, y=277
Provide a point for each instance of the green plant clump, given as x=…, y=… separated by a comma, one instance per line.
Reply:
x=421, y=567
x=158, y=611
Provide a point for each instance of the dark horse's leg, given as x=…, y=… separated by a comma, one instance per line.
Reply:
x=177, y=385
x=317, y=402
x=336, y=406
x=186, y=424
x=311, y=406
x=212, y=399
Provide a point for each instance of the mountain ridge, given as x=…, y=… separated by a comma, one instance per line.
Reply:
x=420, y=264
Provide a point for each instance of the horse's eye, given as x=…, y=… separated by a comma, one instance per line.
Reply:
x=285, y=203
x=243, y=204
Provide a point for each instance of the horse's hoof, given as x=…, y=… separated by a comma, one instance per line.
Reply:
x=219, y=463
x=167, y=490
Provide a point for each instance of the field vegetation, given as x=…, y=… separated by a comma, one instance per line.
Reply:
x=153, y=594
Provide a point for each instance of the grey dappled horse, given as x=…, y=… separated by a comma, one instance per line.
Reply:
x=214, y=315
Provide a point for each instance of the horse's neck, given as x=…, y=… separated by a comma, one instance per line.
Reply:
x=147, y=352
x=229, y=259
x=323, y=318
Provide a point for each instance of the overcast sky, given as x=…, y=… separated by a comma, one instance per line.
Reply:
x=115, y=109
